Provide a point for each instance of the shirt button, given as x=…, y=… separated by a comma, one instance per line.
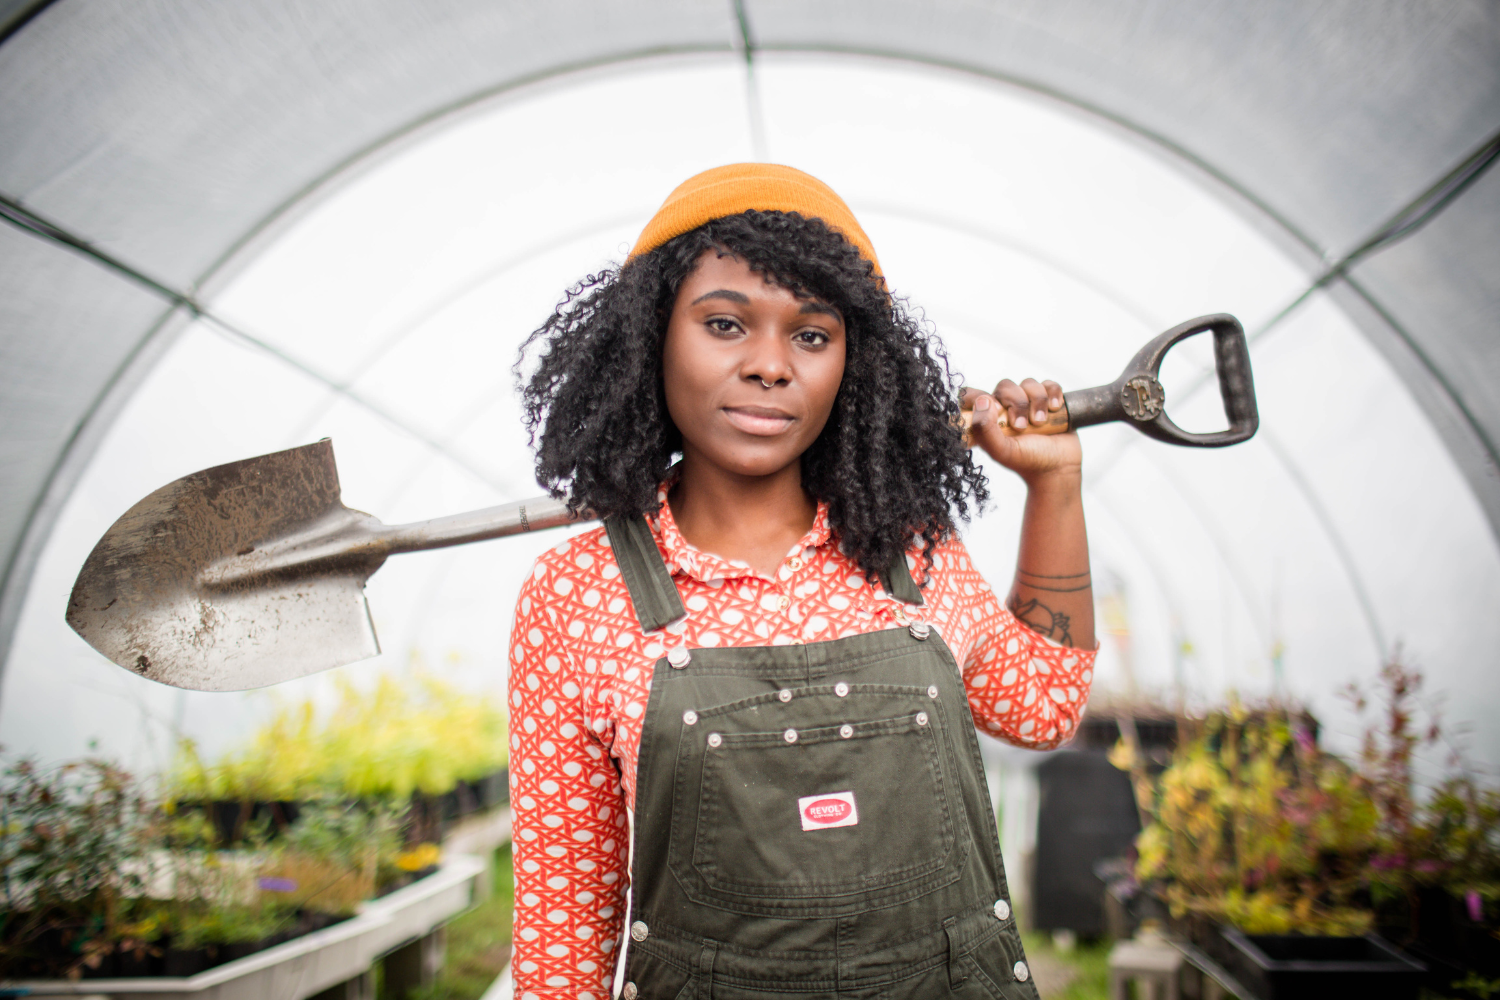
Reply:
x=1002, y=910
x=899, y=613
x=783, y=602
x=678, y=656
x=690, y=717
x=841, y=689
x=1022, y=973
x=639, y=931
x=785, y=694
x=630, y=992
x=794, y=563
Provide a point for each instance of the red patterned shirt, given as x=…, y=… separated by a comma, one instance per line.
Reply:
x=580, y=672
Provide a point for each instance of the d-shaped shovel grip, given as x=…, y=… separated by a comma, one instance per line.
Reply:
x=1137, y=397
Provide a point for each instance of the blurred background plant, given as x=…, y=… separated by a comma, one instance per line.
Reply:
x=1255, y=826
x=105, y=876
x=400, y=737
x=1252, y=825
x=76, y=853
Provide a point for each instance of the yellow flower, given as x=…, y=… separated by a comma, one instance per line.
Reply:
x=419, y=857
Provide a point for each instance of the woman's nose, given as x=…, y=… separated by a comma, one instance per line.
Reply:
x=768, y=361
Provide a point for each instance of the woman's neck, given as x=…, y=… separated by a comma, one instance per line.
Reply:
x=755, y=519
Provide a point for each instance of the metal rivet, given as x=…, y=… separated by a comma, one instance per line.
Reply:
x=841, y=689
x=639, y=931
x=919, y=630
x=932, y=691
x=846, y=731
x=790, y=736
x=715, y=740
x=921, y=718
x=1002, y=910
x=629, y=992
x=690, y=717
x=784, y=602
x=785, y=694
x=1022, y=973
x=678, y=656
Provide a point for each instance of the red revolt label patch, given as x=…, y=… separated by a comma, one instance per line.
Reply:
x=823, y=812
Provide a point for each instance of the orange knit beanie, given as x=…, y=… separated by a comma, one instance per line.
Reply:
x=740, y=187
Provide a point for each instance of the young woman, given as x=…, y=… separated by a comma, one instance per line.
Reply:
x=765, y=670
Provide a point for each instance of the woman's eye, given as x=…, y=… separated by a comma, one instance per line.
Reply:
x=813, y=338
x=720, y=324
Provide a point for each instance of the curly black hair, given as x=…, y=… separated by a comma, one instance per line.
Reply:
x=889, y=463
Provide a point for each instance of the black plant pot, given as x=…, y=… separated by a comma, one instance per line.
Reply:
x=184, y=962
x=1438, y=929
x=231, y=818
x=1303, y=967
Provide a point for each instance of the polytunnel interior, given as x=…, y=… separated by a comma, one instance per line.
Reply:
x=230, y=230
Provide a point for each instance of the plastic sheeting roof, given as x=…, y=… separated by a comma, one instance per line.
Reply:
x=146, y=150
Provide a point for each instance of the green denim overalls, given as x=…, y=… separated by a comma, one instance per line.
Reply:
x=811, y=820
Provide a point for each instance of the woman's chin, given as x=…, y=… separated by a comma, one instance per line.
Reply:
x=754, y=463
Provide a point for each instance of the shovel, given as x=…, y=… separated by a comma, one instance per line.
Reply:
x=252, y=573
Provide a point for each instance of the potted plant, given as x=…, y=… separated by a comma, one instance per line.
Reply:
x=1257, y=841
x=1434, y=876
x=75, y=860
x=1297, y=858
x=415, y=740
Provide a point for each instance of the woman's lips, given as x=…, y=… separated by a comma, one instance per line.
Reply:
x=762, y=421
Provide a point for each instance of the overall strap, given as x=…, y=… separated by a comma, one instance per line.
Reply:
x=652, y=591
x=899, y=584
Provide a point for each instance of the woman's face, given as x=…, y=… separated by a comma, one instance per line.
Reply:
x=731, y=335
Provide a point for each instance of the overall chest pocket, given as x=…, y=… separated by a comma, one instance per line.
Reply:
x=847, y=806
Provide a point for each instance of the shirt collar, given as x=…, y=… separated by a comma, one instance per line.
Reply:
x=683, y=557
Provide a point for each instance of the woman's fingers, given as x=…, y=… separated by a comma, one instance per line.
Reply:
x=1016, y=403
x=1036, y=401
x=984, y=411
x=1029, y=403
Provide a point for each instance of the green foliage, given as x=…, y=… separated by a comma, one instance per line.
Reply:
x=337, y=853
x=93, y=866
x=1252, y=825
x=75, y=858
x=388, y=742
x=1255, y=826
x=1453, y=839
x=200, y=923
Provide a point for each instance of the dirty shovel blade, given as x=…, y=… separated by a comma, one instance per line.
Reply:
x=148, y=597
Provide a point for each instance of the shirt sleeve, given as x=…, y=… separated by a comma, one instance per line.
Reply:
x=571, y=837
x=1022, y=687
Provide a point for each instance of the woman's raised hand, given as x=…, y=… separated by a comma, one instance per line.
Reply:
x=1024, y=427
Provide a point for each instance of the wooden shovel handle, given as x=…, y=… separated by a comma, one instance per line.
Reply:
x=1057, y=423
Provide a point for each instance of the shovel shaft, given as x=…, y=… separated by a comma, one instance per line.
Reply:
x=478, y=525
x=350, y=542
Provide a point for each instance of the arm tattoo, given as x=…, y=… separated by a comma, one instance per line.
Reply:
x=1042, y=619
x=1065, y=584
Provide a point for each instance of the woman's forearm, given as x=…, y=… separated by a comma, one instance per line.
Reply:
x=1053, y=591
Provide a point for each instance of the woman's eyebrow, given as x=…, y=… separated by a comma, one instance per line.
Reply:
x=814, y=306
x=724, y=293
